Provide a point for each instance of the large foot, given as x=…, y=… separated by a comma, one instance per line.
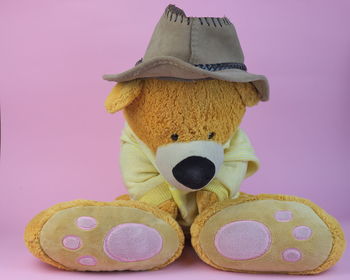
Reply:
x=105, y=236
x=268, y=233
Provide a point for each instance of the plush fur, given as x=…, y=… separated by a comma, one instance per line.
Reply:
x=209, y=110
x=156, y=109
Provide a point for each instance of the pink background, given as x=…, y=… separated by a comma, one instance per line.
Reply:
x=59, y=144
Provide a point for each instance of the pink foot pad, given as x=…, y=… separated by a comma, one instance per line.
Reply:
x=302, y=233
x=243, y=240
x=86, y=223
x=132, y=242
x=71, y=242
x=291, y=255
x=87, y=260
x=283, y=216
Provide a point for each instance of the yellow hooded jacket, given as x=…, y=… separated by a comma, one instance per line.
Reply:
x=145, y=183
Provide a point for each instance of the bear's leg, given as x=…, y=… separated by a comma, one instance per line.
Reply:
x=105, y=236
x=268, y=233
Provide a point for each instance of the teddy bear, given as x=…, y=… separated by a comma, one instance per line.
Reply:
x=183, y=158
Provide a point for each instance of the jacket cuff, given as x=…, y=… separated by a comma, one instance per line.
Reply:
x=219, y=189
x=157, y=195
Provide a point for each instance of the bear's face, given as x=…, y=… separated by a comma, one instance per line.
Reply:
x=185, y=123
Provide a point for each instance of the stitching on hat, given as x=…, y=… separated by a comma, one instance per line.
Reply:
x=208, y=67
x=139, y=61
x=185, y=68
x=172, y=13
x=175, y=10
x=222, y=66
x=227, y=21
x=160, y=62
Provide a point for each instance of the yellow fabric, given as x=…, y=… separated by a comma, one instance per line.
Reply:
x=140, y=173
x=157, y=195
x=219, y=189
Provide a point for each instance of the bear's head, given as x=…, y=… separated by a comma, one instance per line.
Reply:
x=185, y=123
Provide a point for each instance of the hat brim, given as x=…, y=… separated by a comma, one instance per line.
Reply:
x=174, y=68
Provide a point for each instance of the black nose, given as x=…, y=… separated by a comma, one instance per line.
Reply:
x=194, y=172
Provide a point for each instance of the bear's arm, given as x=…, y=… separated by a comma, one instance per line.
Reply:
x=216, y=190
x=240, y=162
x=230, y=176
x=140, y=177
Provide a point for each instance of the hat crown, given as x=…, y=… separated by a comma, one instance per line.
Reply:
x=193, y=48
x=196, y=40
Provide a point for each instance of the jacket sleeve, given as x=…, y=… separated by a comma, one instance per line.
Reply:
x=240, y=162
x=142, y=180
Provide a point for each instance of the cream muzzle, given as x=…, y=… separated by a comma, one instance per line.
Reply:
x=190, y=166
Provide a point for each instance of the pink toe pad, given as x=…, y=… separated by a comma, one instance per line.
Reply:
x=71, y=242
x=243, y=240
x=87, y=260
x=291, y=255
x=86, y=223
x=132, y=242
x=283, y=216
x=302, y=233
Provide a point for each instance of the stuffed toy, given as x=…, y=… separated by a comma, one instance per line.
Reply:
x=183, y=158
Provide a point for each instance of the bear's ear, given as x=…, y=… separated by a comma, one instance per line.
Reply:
x=248, y=92
x=122, y=95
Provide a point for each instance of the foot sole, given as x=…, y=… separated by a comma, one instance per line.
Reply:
x=268, y=233
x=105, y=236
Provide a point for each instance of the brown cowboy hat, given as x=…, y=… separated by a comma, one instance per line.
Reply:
x=193, y=48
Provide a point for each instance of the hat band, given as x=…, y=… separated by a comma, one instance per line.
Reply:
x=222, y=66
x=215, y=66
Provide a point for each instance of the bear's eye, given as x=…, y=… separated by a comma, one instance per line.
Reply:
x=211, y=135
x=174, y=137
